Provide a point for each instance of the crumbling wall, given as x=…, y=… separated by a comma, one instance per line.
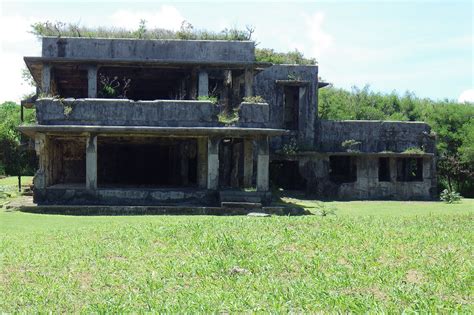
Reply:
x=374, y=136
x=367, y=185
x=265, y=85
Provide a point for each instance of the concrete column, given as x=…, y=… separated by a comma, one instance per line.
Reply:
x=248, y=162
x=92, y=82
x=184, y=164
x=203, y=83
x=393, y=169
x=40, y=180
x=303, y=118
x=248, y=82
x=263, y=162
x=193, y=85
x=202, y=162
x=46, y=79
x=91, y=162
x=213, y=163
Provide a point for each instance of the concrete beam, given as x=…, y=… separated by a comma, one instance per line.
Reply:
x=40, y=179
x=202, y=162
x=91, y=162
x=92, y=82
x=46, y=79
x=248, y=82
x=248, y=162
x=263, y=162
x=203, y=83
x=213, y=163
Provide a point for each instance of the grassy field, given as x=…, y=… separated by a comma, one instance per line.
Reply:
x=369, y=256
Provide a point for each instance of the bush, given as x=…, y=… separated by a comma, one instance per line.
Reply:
x=450, y=196
x=254, y=99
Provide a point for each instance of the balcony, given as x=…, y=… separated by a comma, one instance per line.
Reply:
x=163, y=113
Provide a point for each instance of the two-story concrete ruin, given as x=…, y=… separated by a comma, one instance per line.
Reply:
x=136, y=122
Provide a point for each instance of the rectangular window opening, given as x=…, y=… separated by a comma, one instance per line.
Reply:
x=343, y=169
x=410, y=169
x=384, y=169
x=291, y=107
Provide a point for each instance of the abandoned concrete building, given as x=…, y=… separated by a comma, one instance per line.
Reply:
x=161, y=122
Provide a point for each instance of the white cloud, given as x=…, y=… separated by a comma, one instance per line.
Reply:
x=467, y=96
x=166, y=17
x=320, y=40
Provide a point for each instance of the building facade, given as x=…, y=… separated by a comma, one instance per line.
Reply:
x=151, y=122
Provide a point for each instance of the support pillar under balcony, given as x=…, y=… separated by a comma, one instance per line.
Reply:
x=91, y=162
x=203, y=85
x=263, y=162
x=213, y=163
x=92, y=82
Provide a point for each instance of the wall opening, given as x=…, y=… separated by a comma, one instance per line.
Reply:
x=148, y=83
x=384, y=169
x=291, y=107
x=410, y=169
x=342, y=169
x=231, y=163
x=68, y=161
x=146, y=162
x=286, y=175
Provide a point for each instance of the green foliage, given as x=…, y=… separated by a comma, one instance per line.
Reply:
x=212, y=99
x=452, y=122
x=292, y=57
x=290, y=148
x=351, y=144
x=254, y=99
x=228, y=117
x=13, y=159
x=113, y=87
x=450, y=196
x=186, y=32
x=414, y=150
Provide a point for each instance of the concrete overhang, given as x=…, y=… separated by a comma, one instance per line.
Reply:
x=35, y=64
x=31, y=130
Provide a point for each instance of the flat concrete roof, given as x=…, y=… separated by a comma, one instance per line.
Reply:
x=31, y=130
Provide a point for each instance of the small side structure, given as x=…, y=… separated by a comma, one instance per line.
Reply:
x=165, y=122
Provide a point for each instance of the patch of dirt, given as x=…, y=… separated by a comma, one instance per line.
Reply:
x=374, y=291
x=414, y=277
x=85, y=279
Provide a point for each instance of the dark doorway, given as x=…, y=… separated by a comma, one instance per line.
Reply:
x=343, y=169
x=286, y=175
x=231, y=161
x=384, y=169
x=291, y=107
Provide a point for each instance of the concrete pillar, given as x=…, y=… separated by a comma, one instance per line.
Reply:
x=91, y=162
x=263, y=162
x=248, y=82
x=213, y=163
x=46, y=79
x=203, y=89
x=202, y=162
x=41, y=147
x=92, y=82
x=184, y=164
x=248, y=162
x=305, y=136
x=193, y=85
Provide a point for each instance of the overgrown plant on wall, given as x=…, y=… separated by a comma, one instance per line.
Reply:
x=113, y=87
x=254, y=99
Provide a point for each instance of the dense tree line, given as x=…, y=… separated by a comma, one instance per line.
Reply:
x=452, y=122
x=16, y=158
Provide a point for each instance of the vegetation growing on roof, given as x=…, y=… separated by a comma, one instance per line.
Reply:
x=186, y=32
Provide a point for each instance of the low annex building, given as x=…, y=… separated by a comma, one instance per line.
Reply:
x=152, y=122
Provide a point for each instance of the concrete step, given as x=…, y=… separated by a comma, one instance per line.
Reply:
x=243, y=205
x=240, y=196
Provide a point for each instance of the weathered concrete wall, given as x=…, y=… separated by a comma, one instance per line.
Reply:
x=374, y=136
x=265, y=85
x=140, y=50
x=315, y=169
x=166, y=113
x=125, y=196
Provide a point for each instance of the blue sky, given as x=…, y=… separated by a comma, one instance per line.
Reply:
x=421, y=46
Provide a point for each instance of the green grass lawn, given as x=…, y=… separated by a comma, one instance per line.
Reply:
x=377, y=256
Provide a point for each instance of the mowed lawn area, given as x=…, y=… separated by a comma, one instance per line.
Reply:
x=377, y=256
